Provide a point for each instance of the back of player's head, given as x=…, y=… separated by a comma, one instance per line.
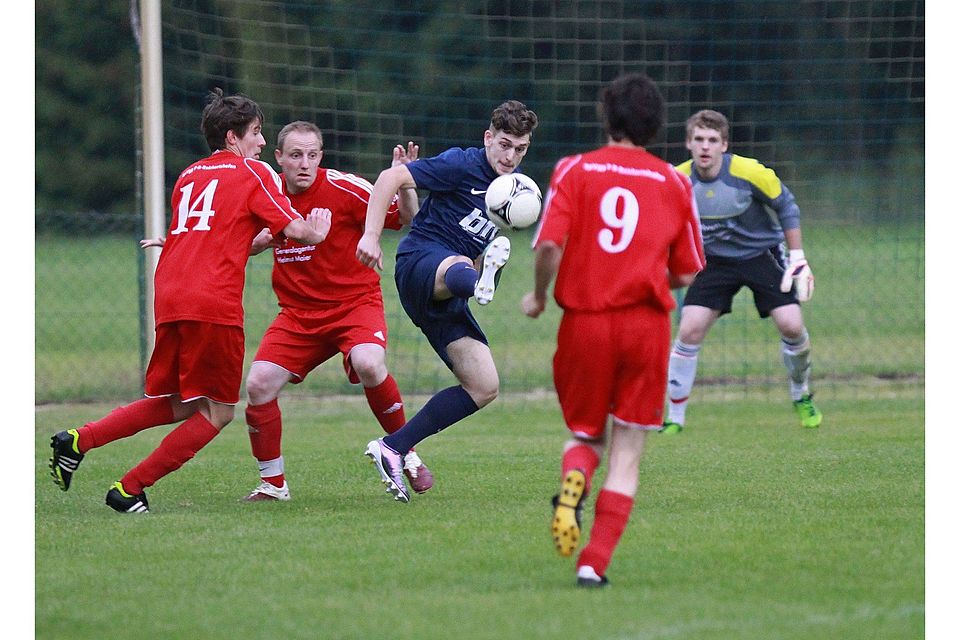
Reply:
x=300, y=126
x=513, y=117
x=632, y=107
x=227, y=113
x=709, y=119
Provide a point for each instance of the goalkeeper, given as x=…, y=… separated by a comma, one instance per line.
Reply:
x=743, y=243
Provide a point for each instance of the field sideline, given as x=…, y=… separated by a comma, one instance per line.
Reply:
x=746, y=527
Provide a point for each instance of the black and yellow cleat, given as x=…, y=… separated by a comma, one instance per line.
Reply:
x=567, y=507
x=66, y=457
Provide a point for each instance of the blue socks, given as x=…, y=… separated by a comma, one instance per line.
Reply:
x=442, y=410
x=461, y=278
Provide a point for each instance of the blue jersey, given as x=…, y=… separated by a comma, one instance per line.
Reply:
x=454, y=214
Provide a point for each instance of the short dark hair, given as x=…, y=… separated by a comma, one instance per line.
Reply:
x=631, y=106
x=709, y=119
x=298, y=125
x=227, y=113
x=513, y=117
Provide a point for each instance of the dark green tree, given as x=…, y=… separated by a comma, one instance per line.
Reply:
x=86, y=65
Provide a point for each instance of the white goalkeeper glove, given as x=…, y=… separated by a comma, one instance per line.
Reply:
x=797, y=275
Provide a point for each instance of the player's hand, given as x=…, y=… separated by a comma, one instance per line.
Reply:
x=263, y=241
x=152, y=242
x=532, y=306
x=404, y=156
x=797, y=275
x=320, y=220
x=368, y=251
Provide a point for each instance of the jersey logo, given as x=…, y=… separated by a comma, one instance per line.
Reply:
x=477, y=192
x=379, y=334
x=476, y=224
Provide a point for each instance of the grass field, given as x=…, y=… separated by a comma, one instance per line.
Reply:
x=746, y=527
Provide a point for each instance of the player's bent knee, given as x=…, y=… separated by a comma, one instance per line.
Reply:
x=483, y=395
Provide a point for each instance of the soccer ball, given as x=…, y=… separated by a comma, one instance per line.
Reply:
x=513, y=201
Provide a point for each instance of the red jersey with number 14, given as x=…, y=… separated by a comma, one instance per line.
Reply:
x=219, y=204
x=624, y=218
x=305, y=276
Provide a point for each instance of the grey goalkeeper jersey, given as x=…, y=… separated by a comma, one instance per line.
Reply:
x=744, y=210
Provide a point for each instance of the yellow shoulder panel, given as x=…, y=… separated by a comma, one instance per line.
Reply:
x=756, y=174
x=685, y=167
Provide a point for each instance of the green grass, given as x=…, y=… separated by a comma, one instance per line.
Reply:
x=746, y=526
x=866, y=319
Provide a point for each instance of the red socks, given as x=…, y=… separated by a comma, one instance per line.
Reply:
x=125, y=421
x=265, y=428
x=581, y=457
x=386, y=404
x=610, y=519
x=174, y=451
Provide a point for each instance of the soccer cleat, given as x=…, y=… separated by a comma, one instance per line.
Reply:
x=66, y=457
x=421, y=480
x=670, y=427
x=494, y=257
x=266, y=491
x=120, y=500
x=567, y=508
x=389, y=464
x=587, y=577
x=810, y=416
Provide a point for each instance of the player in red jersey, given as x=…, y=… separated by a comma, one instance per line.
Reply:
x=619, y=230
x=329, y=303
x=219, y=205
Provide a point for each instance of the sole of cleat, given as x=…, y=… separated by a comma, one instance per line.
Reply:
x=565, y=528
x=494, y=258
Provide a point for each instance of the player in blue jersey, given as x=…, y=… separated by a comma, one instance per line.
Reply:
x=452, y=253
x=744, y=248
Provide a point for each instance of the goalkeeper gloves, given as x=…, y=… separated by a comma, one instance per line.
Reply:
x=798, y=275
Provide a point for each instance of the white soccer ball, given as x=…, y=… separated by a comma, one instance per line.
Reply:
x=513, y=201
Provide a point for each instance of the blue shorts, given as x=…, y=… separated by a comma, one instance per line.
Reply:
x=441, y=321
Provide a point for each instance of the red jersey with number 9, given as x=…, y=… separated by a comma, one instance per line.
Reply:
x=623, y=218
x=219, y=204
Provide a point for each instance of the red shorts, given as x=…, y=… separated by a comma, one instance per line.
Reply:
x=196, y=360
x=612, y=363
x=300, y=341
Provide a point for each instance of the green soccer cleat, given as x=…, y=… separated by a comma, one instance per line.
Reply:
x=810, y=416
x=670, y=427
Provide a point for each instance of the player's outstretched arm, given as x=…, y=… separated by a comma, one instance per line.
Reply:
x=387, y=185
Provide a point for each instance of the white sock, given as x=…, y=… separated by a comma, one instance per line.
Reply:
x=796, y=357
x=270, y=468
x=682, y=372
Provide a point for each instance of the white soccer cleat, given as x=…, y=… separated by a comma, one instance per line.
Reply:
x=494, y=257
x=267, y=491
